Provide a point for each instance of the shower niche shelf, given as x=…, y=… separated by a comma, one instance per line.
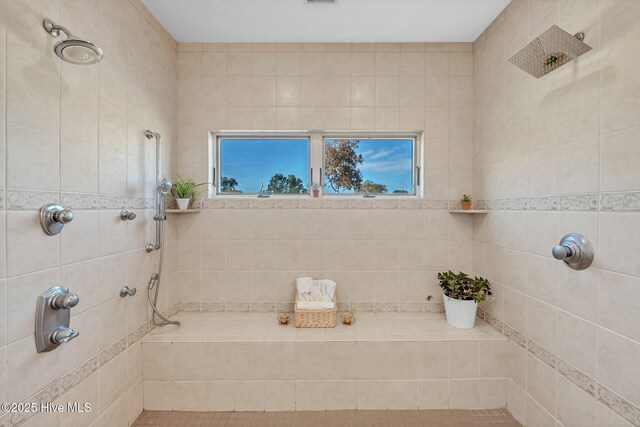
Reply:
x=181, y=211
x=468, y=211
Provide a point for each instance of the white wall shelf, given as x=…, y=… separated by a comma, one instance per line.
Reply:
x=181, y=211
x=469, y=211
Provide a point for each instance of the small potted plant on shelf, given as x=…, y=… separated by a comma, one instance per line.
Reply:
x=315, y=190
x=461, y=297
x=465, y=201
x=184, y=189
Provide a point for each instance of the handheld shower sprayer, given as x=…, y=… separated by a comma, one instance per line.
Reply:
x=163, y=188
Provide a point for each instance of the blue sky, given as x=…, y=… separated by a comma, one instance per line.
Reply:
x=252, y=161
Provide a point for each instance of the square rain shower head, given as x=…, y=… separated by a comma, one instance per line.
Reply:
x=552, y=49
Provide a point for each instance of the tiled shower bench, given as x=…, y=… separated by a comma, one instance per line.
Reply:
x=247, y=362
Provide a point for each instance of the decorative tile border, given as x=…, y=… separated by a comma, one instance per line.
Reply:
x=273, y=307
x=23, y=200
x=321, y=203
x=62, y=385
x=620, y=201
x=609, y=398
x=27, y=200
x=623, y=202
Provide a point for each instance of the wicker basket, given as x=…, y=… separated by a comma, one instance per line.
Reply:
x=316, y=318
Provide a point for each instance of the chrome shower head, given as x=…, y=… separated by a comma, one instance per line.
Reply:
x=551, y=50
x=165, y=186
x=73, y=49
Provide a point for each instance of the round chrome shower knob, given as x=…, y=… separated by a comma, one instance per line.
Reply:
x=65, y=301
x=575, y=251
x=64, y=216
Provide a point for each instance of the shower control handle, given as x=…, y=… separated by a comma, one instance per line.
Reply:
x=64, y=301
x=64, y=216
x=125, y=215
x=53, y=217
x=127, y=291
x=575, y=251
x=561, y=252
x=53, y=315
x=61, y=335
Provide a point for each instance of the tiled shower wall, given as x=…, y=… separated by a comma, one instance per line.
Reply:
x=245, y=253
x=553, y=156
x=74, y=135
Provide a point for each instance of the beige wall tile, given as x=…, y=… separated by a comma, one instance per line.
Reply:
x=433, y=394
x=464, y=359
x=618, y=241
x=280, y=396
x=187, y=362
x=371, y=394
x=158, y=395
x=541, y=384
x=218, y=396
x=342, y=395
x=249, y=396
x=187, y=395
x=616, y=150
x=218, y=361
x=492, y=393
x=464, y=393
x=614, y=351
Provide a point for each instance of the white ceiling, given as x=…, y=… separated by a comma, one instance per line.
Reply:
x=346, y=21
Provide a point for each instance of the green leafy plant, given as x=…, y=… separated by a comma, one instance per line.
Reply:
x=315, y=186
x=466, y=198
x=185, y=188
x=461, y=286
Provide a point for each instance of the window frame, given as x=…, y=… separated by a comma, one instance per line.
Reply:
x=316, y=159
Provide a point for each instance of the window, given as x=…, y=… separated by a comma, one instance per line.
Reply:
x=339, y=163
x=277, y=165
x=369, y=165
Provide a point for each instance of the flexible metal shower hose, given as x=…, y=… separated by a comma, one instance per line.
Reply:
x=154, y=282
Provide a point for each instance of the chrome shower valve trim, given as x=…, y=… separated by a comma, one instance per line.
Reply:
x=53, y=313
x=53, y=217
x=125, y=215
x=575, y=251
x=127, y=291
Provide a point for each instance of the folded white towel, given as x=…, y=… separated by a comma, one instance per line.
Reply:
x=310, y=290
x=314, y=305
x=303, y=286
x=316, y=294
x=327, y=286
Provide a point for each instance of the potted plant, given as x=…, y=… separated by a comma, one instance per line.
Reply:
x=184, y=189
x=461, y=297
x=315, y=190
x=465, y=201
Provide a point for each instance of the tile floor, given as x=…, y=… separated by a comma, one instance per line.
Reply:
x=435, y=418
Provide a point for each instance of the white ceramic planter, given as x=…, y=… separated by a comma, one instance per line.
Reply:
x=460, y=314
x=183, y=203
